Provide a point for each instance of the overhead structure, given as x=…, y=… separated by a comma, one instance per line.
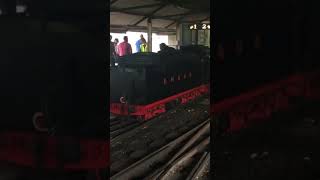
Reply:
x=134, y=15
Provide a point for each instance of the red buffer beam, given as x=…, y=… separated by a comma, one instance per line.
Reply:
x=149, y=111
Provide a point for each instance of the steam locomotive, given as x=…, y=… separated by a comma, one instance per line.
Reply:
x=144, y=85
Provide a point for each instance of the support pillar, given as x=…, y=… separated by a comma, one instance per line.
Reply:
x=149, y=35
x=196, y=37
x=178, y=34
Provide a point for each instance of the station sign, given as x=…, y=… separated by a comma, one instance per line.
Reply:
x=199, y=26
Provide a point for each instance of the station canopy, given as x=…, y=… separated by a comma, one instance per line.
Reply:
x=133, y=15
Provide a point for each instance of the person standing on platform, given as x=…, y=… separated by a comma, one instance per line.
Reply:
x=112, y=52
x=139, y=42
x=124, y=48
x=143, y=46
x=116, y=41
x=165, y=48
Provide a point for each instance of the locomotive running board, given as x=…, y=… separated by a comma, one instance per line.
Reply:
x=146, y=112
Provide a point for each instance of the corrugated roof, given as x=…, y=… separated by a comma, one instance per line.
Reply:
x=133, y=14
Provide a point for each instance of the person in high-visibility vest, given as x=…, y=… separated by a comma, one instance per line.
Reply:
x=139, y=42
x=143, y=46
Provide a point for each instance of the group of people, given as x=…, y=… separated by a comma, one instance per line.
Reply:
x=124, y=48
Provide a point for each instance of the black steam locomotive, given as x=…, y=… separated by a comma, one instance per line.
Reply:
x=143, y=79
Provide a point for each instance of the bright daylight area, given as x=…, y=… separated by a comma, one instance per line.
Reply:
x=134, y=36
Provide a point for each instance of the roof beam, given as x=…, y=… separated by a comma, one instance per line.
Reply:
x=207, y=18
x=182, y=14
x=113, y=1
x=150, y=15
x=174, y=22
x=169, y=25
x=195, y=21
x=139, y=28
x=140, y=7
x=139, y=14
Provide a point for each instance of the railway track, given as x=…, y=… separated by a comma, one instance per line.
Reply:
x=135, y=144
x=113, y=120
x=120, y=125
x=202, y=169
x=166, y=159
x=181, y=168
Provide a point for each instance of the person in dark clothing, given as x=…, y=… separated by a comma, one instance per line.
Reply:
x=112, y=52
x=116, y=42
x=164, y=48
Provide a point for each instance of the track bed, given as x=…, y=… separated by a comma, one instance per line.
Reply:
x=135, y=144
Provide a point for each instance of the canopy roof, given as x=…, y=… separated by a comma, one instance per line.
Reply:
x=165, y=14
